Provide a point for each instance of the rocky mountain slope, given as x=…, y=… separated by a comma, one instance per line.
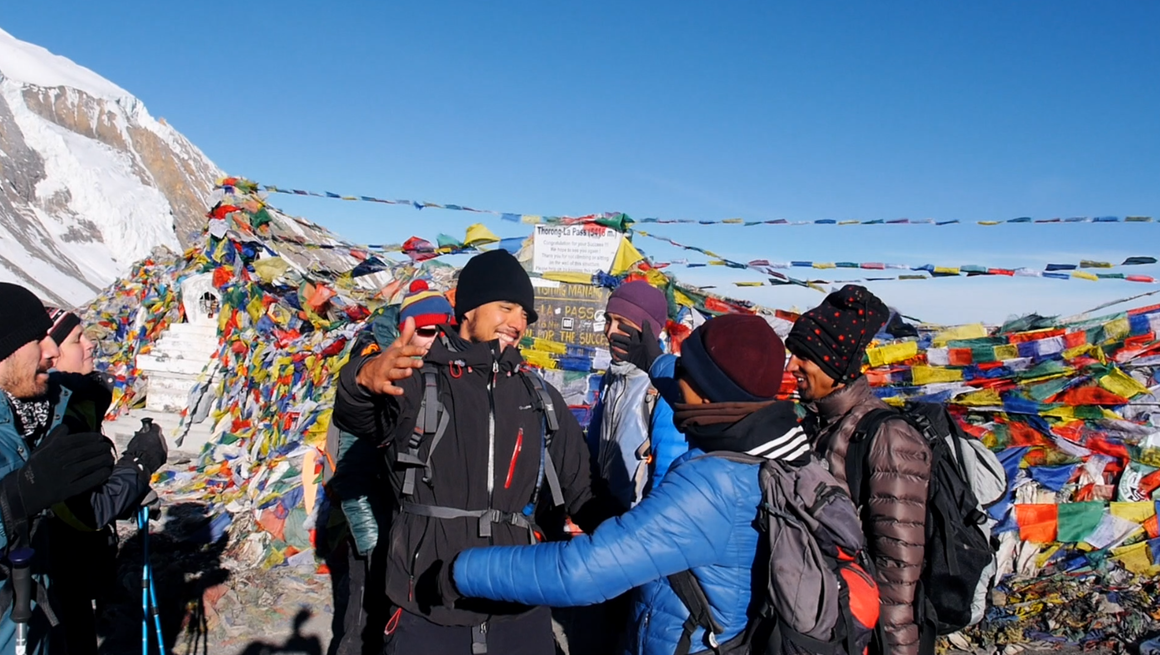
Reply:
x=90, y=182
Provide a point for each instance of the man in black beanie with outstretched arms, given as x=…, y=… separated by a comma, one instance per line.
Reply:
x=480, y=451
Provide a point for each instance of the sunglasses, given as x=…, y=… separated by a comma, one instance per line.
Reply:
x=426, y=332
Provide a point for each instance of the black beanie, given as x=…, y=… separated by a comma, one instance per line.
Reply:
x=494, y=276
x=834, y=335
x=22, y=319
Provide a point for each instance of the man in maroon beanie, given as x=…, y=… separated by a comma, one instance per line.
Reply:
x=828, y=344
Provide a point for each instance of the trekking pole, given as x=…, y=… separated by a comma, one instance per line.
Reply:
x=22, y=595
x=148, y=592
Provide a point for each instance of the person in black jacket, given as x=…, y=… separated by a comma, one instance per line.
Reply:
x=84, y=543
x=506, y=449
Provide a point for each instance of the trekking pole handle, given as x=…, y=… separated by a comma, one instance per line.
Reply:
x=20, y=559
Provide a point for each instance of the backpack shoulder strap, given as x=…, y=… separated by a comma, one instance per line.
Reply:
x=430, y=425
x=692, y=595
x=545, y=404
x=542, y=397
x=858, y=450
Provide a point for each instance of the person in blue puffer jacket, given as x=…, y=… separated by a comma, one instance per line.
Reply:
x=701, y=517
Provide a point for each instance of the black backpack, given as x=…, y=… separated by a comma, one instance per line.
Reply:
x=958, y=556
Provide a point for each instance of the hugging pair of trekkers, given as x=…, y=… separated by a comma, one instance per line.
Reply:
x=747, y=543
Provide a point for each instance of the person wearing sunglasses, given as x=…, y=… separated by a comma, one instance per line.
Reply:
x=361, y=605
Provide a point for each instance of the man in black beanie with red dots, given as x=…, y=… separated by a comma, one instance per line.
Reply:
x=828, y=344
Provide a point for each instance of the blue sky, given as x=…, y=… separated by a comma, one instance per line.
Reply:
x=980, y=110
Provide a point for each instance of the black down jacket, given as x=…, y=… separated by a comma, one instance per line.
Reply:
x=494, y=426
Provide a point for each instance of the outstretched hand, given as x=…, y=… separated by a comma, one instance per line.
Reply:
x=638, y=347
x=397, y=362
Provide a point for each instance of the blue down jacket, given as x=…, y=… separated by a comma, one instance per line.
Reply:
x=700, y=517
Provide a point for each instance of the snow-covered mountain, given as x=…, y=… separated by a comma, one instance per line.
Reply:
x=89, y=181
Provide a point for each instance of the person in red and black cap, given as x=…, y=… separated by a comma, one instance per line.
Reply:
x=828, y=344
x=702, y=516
x=357, y=567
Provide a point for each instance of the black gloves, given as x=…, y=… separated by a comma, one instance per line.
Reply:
x=147, y=450
x=62, y=466
x=637, y=347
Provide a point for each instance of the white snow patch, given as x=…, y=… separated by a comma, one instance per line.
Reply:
x=27, y=63
x=132, y=217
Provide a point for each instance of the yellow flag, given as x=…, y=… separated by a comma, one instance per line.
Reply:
x=895, y=352
x=479, y=235
x=1137, y=558
x=972, y=331
x=1122, y=384
x=537, y=358
x=1084, y=275
x=1134, y=512
x=1118, y=329
x=626, y=256
x=255, y=309
x=547, y=346
x=1009, y=351
x=1041, y=558
x=270, y=268
x=656, y=278
x=1072, y=353
x=981, y=398
x=933, y=374
x=568, y=276
x=1067, y=412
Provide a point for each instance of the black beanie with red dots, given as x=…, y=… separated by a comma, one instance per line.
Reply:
x=834, y=335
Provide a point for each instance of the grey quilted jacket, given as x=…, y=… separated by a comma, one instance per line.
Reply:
x=899, y=462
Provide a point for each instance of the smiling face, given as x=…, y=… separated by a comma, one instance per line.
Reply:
x=24, y=374
x=812, y=382
x=502, y=320
x=76, y=353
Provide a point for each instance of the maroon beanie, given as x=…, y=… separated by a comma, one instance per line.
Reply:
x=640, y=301
x=734, y=358
x=834, y=335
